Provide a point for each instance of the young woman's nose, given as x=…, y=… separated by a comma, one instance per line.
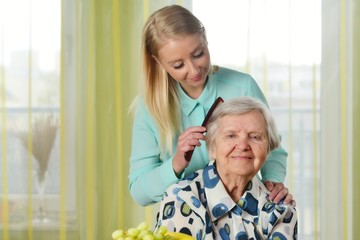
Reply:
x=193, y=69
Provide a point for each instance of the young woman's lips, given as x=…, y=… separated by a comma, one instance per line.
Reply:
x=197, y=78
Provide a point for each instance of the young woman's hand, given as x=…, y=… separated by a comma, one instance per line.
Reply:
x=187, y=141
x=278, y=191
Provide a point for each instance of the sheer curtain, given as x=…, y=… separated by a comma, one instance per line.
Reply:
x=70, y=69
x=106, y=45
x=340, y=111
x=31, y=126
x=356, y=115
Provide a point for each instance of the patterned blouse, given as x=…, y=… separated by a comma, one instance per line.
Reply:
x=200, y=206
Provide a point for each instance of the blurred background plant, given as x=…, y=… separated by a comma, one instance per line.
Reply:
x=43, y=132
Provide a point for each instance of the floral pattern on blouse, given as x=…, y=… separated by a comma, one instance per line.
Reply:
x=200, y=206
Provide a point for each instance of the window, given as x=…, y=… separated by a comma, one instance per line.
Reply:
x=30, y=60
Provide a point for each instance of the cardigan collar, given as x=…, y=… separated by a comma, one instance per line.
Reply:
x=206, y=98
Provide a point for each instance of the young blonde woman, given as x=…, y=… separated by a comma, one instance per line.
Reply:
x=180, y=87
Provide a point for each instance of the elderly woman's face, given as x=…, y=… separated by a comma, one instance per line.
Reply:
x=241, y=144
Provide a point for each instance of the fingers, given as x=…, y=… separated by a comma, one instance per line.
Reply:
x=279, y=192
x=290, y=200
x=269, y=185
x=190, y=138
x=187, y=141
x=193, y=139
x=192, y=131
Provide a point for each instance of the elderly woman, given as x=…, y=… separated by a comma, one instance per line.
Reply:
x=226, y=199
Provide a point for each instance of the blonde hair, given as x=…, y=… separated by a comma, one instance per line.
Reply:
x=161, y=93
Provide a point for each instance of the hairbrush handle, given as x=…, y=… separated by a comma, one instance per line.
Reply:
x=189, y=154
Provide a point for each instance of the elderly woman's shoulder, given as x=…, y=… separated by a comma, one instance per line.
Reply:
x=194, y=177
x=189, y=183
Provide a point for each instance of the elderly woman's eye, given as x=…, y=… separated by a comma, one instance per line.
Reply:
x=230, y=135
x=255, y=138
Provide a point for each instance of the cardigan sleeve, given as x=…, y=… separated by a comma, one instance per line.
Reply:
x=149, y=175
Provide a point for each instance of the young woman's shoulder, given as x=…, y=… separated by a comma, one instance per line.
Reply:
x=232, y=83
x=137, y=106
x=141, y=113
x=231, y=76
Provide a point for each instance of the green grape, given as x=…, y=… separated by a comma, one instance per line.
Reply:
x=142, y=232
x=133, y=232
x=117, y=234
x=162, y=230
x=158, y=236
x=149, y=237
x=143, y=226
x=129, y=238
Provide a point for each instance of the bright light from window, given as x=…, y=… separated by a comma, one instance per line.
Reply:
x=36, y=26
x=264, y=27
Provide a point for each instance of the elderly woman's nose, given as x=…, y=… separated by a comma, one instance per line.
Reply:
x=242, y=143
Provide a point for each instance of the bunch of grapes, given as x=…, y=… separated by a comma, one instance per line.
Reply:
x=142, y=232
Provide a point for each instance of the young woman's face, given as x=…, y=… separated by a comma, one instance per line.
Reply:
x=187, y=60
x=240, y=146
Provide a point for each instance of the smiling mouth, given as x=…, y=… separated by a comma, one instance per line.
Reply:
x=241, y=157
x=197, y=78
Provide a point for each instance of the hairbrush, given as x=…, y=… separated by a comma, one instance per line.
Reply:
x=207, y=117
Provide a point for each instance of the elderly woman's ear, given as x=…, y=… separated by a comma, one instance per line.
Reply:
x=212, y=152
